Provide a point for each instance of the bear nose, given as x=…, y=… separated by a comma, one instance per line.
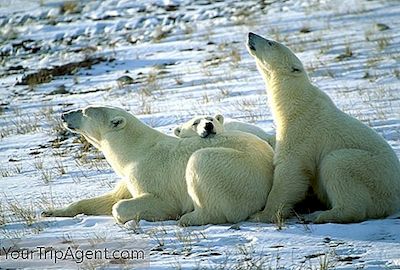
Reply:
x=209, y=126
x=252, y=35
x=251, y=40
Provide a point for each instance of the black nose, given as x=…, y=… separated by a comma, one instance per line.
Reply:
x=209, y=126
x=250, y=40
x=251, y=35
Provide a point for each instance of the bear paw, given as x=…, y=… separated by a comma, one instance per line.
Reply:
x=186, y=220
x=192, y=219
x=123, y=213
x=260, y=217
x=58, y=213
x=313, y=217
x=48, y=213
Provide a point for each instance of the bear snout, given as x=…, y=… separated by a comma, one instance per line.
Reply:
x=254, y=39
x=68, y=115
x=251, y=41
x=71, y=118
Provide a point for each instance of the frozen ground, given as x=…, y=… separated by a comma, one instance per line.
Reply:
x=184, y=58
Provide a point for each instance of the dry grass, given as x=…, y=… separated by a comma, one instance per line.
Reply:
x=243, y=16
x=279, y=219
x=19, y=213
x=382, y=42
x=20, y=125
x=2, y=215
x=11, y=170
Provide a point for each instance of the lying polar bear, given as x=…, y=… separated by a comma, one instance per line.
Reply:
x=223, y=180
x=204, y=126
x=352, y=169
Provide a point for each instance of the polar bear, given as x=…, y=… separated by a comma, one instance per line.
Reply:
x=351, y=169
x=223, y=180
x=204, y=126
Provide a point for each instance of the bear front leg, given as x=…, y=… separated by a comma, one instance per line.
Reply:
x=147, y=206
x=289, y=187
x=101, y=205
x=198, y=217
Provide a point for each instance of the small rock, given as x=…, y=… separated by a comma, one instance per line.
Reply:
x=158, y=248
x=305, y=30
x=382, y=26
x=18, y=67
x=326, y=240
x=60, y=90
x=171, y=5
x=345, y=55
x=235, y=227
x=125, y=80
x=277, y=246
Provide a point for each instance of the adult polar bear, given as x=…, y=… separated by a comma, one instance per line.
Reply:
x=349, y=166
x=224, y=180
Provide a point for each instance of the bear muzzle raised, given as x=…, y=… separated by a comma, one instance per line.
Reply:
x=251, y=41
x=71, y=119
x=254, y=39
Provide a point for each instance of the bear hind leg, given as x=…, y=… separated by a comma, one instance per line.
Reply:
x=342, y=175
x=214, y=178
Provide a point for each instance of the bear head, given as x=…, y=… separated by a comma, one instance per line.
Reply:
x=94, y=122
x=202, y=126
x=274, y=58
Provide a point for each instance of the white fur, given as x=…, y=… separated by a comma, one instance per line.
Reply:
x=223, y=179
x=195, y=127
x=231, y=124
x=349, y=166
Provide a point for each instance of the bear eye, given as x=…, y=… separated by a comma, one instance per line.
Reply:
x=269, y=43
x=295, y=70
x=195, y=123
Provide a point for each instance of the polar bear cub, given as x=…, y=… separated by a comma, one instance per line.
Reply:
x=224, y=180
x=202, y=126
x=205, y=126
x=350, y=167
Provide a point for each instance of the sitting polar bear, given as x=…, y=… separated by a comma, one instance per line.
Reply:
x=223, y=180
x=205, y=126
x=351, y=169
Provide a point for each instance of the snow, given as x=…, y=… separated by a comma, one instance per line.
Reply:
x=185, y=58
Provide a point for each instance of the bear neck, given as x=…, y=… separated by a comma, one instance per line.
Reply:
x=121, y=148
x=288, y=96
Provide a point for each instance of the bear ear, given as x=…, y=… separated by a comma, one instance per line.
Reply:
x=220, y=118
x=117, y=122
x=177, y=131
x=89, y=111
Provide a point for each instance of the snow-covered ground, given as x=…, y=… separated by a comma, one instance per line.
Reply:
x=183, y=58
